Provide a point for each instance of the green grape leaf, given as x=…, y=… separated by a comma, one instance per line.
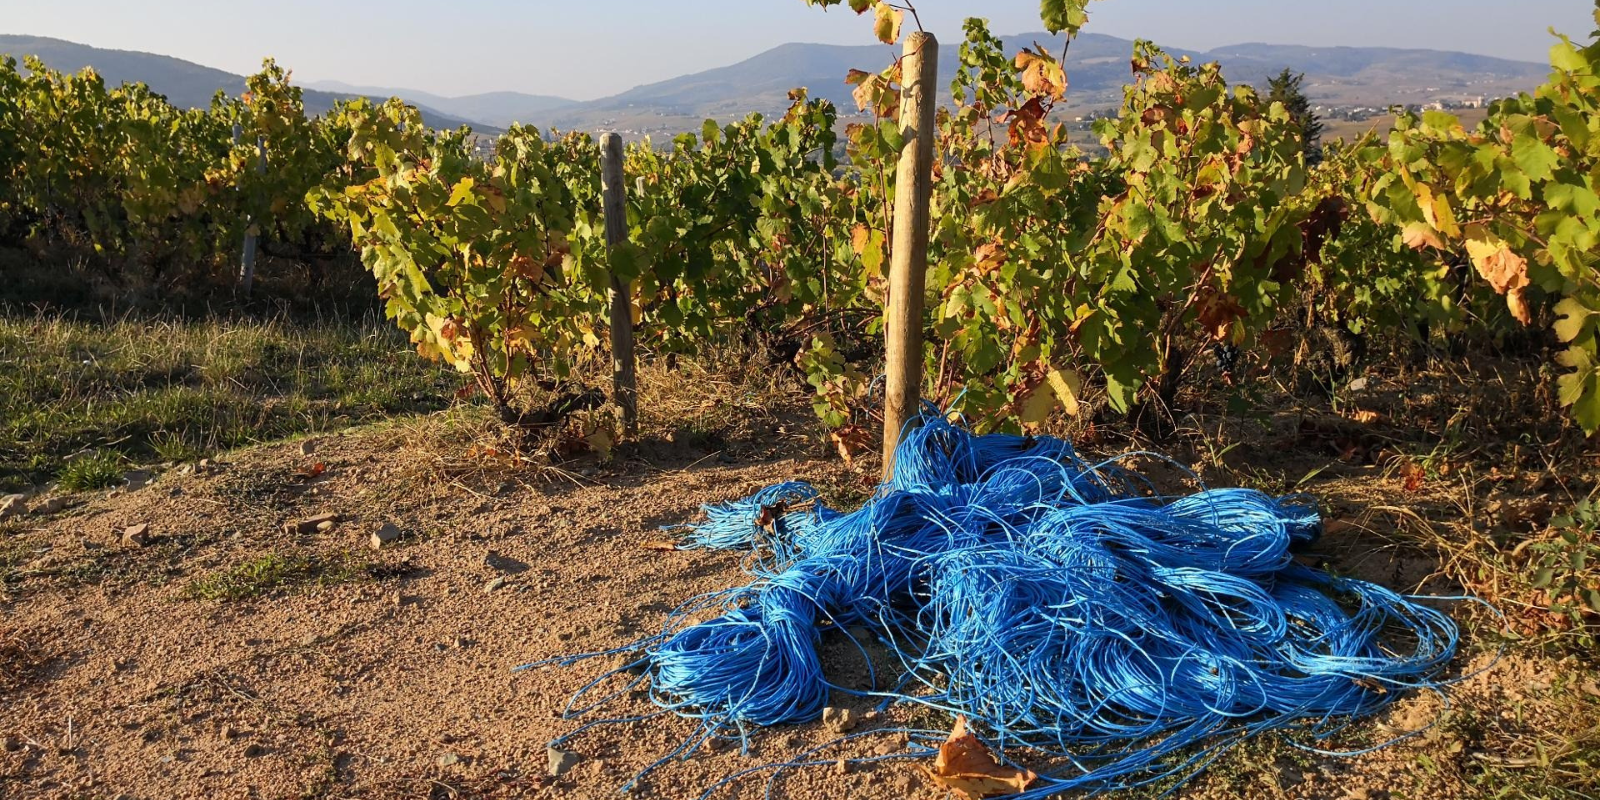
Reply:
x=1580, y=389
x=1536, y=159
x=1064, y=16
x=1572, y=319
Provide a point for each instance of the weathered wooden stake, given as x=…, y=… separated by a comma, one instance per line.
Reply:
x=624, y=388
x=247, y=261
x=908, y=264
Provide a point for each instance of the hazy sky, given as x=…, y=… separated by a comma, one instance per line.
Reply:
x=591, y=49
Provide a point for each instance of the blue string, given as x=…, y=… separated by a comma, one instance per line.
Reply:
x=1062, y=606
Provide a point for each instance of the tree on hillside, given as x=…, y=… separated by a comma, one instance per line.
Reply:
x=1286, y=90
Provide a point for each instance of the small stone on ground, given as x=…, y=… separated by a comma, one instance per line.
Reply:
x=13, y=505
x=839, y=720
x=560, y=761
x=386, y=535
x=138, y=535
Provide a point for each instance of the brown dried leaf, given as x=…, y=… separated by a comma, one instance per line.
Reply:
x=851, y=440
x=1025, y=124
x=1041, y=74
x=967, y=768
x=1414, y=476
x=989, y=257
x=1506, y=271
x=769, y=515
x=660, y=546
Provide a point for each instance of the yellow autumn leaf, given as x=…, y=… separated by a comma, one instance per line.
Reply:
x=886, y=23
x=1068, y=385
x=1418, y=236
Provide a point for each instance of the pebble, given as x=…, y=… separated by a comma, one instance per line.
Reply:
x=54, y=505
x=449, y=760
x=493, y=585
x=13, y=505
x=388, y=534
x=11, y=744
x=310, y=525
x=308, y=447
x=137, y=535
x=841, y=767
x=560, y=761
x=252, y=750
x=839, y=720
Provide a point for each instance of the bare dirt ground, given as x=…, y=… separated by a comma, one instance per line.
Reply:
x=340, y=671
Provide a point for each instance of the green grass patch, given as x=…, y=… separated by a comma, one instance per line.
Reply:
x=273, y=572
x=100, y=470
x=143, y=391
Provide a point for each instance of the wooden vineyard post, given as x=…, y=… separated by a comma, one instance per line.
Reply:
x=624, y=387
x=247, y=260
x=908, y=264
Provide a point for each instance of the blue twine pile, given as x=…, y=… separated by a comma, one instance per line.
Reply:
x=1064, y=607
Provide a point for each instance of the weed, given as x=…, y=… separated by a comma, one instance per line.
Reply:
x=273, y=571
x=172, y=447
x=1563, y=571
x=100, y=470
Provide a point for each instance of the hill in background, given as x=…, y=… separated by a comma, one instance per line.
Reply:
x=1097, y=66
x=185, y=84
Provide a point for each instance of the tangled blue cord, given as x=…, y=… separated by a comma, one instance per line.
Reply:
x=1064, y=607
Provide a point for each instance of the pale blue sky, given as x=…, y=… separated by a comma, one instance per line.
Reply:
x=590, y=49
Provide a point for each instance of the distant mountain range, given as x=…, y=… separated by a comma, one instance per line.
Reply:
x=1097, y=68
x=185, y=84
x=499, y=109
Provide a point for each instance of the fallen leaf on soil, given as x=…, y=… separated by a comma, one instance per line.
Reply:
x=1414, y=476
x=769, y=515
x=1365, y=417
x=1338, y=526
x=662, y=546
x=313, y=471
x=965, y=766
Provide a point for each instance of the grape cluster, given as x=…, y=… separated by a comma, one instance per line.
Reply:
x=1227, y=355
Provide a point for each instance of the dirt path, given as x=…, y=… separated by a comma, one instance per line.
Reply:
x=389, y=673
